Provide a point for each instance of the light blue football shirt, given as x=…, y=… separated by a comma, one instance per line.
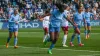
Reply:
x=13, y=19
x=55, y=18
x=78, y=17
x=87, y=16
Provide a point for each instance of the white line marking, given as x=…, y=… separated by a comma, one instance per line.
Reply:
x=73, y=50
x=89, y=55
x=18, y=46
x=86, y=55
x=60, y=49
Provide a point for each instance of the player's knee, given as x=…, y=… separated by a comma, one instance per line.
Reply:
x=89, y=31
x=54, y=41
x=65, y=33
x=10, y=35
x=78, y=33
x=74, y=35
x=46, y=33
x=15, y=35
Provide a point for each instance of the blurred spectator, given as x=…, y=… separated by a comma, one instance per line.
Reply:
x=43, y=6
x=76, y=5
x=95, y=13
x=32, y=9
x=9, y=10
x=99, y=16
x=28, y=12
x=1, y=10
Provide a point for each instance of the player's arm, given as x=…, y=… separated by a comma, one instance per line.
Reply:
x=74, y=24
x=41, y=18
x=22, y=20
x=71, y=20
x=10, y=19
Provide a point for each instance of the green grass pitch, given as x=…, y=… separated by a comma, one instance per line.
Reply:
x=30, y=44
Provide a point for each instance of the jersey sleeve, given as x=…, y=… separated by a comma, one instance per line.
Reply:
x=11, y=19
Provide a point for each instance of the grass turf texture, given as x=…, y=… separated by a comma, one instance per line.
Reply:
x=30, y=44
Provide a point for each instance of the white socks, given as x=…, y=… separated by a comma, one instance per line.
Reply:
x=64, y=40
x=45, y=36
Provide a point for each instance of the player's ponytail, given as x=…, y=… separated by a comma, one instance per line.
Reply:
x=60, y=6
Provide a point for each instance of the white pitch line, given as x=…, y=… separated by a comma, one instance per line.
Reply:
x=73, y=50
x=60, y=49
x=18, y=46
x=90, y=55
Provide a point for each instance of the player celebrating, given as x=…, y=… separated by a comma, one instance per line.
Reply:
x=13, y=27
x=65, y=26
x=55, y=23
x=77, y=18
x=54, y=27
x=87, y=16
x=46, y=24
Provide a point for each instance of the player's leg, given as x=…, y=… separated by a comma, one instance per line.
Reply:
x=79, y=40
x=89, y=29
x=73, y=36
x=15, y=37
x=65, y=29
x=54, y=37
x=79, y=37
x=45, y=33
x=52, y=43
x=10, y=36
x=86, y=31
x=51, y=30
x=72, y=39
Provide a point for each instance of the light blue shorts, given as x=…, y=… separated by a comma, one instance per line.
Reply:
x=13, y=29
x=88, y=24
x=78, y=27
x=54, y=29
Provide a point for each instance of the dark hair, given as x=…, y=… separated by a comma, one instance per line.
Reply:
x=60, y=6
x=87, y=6
x=47, y=11
x=79, y=7
x=65, y=6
